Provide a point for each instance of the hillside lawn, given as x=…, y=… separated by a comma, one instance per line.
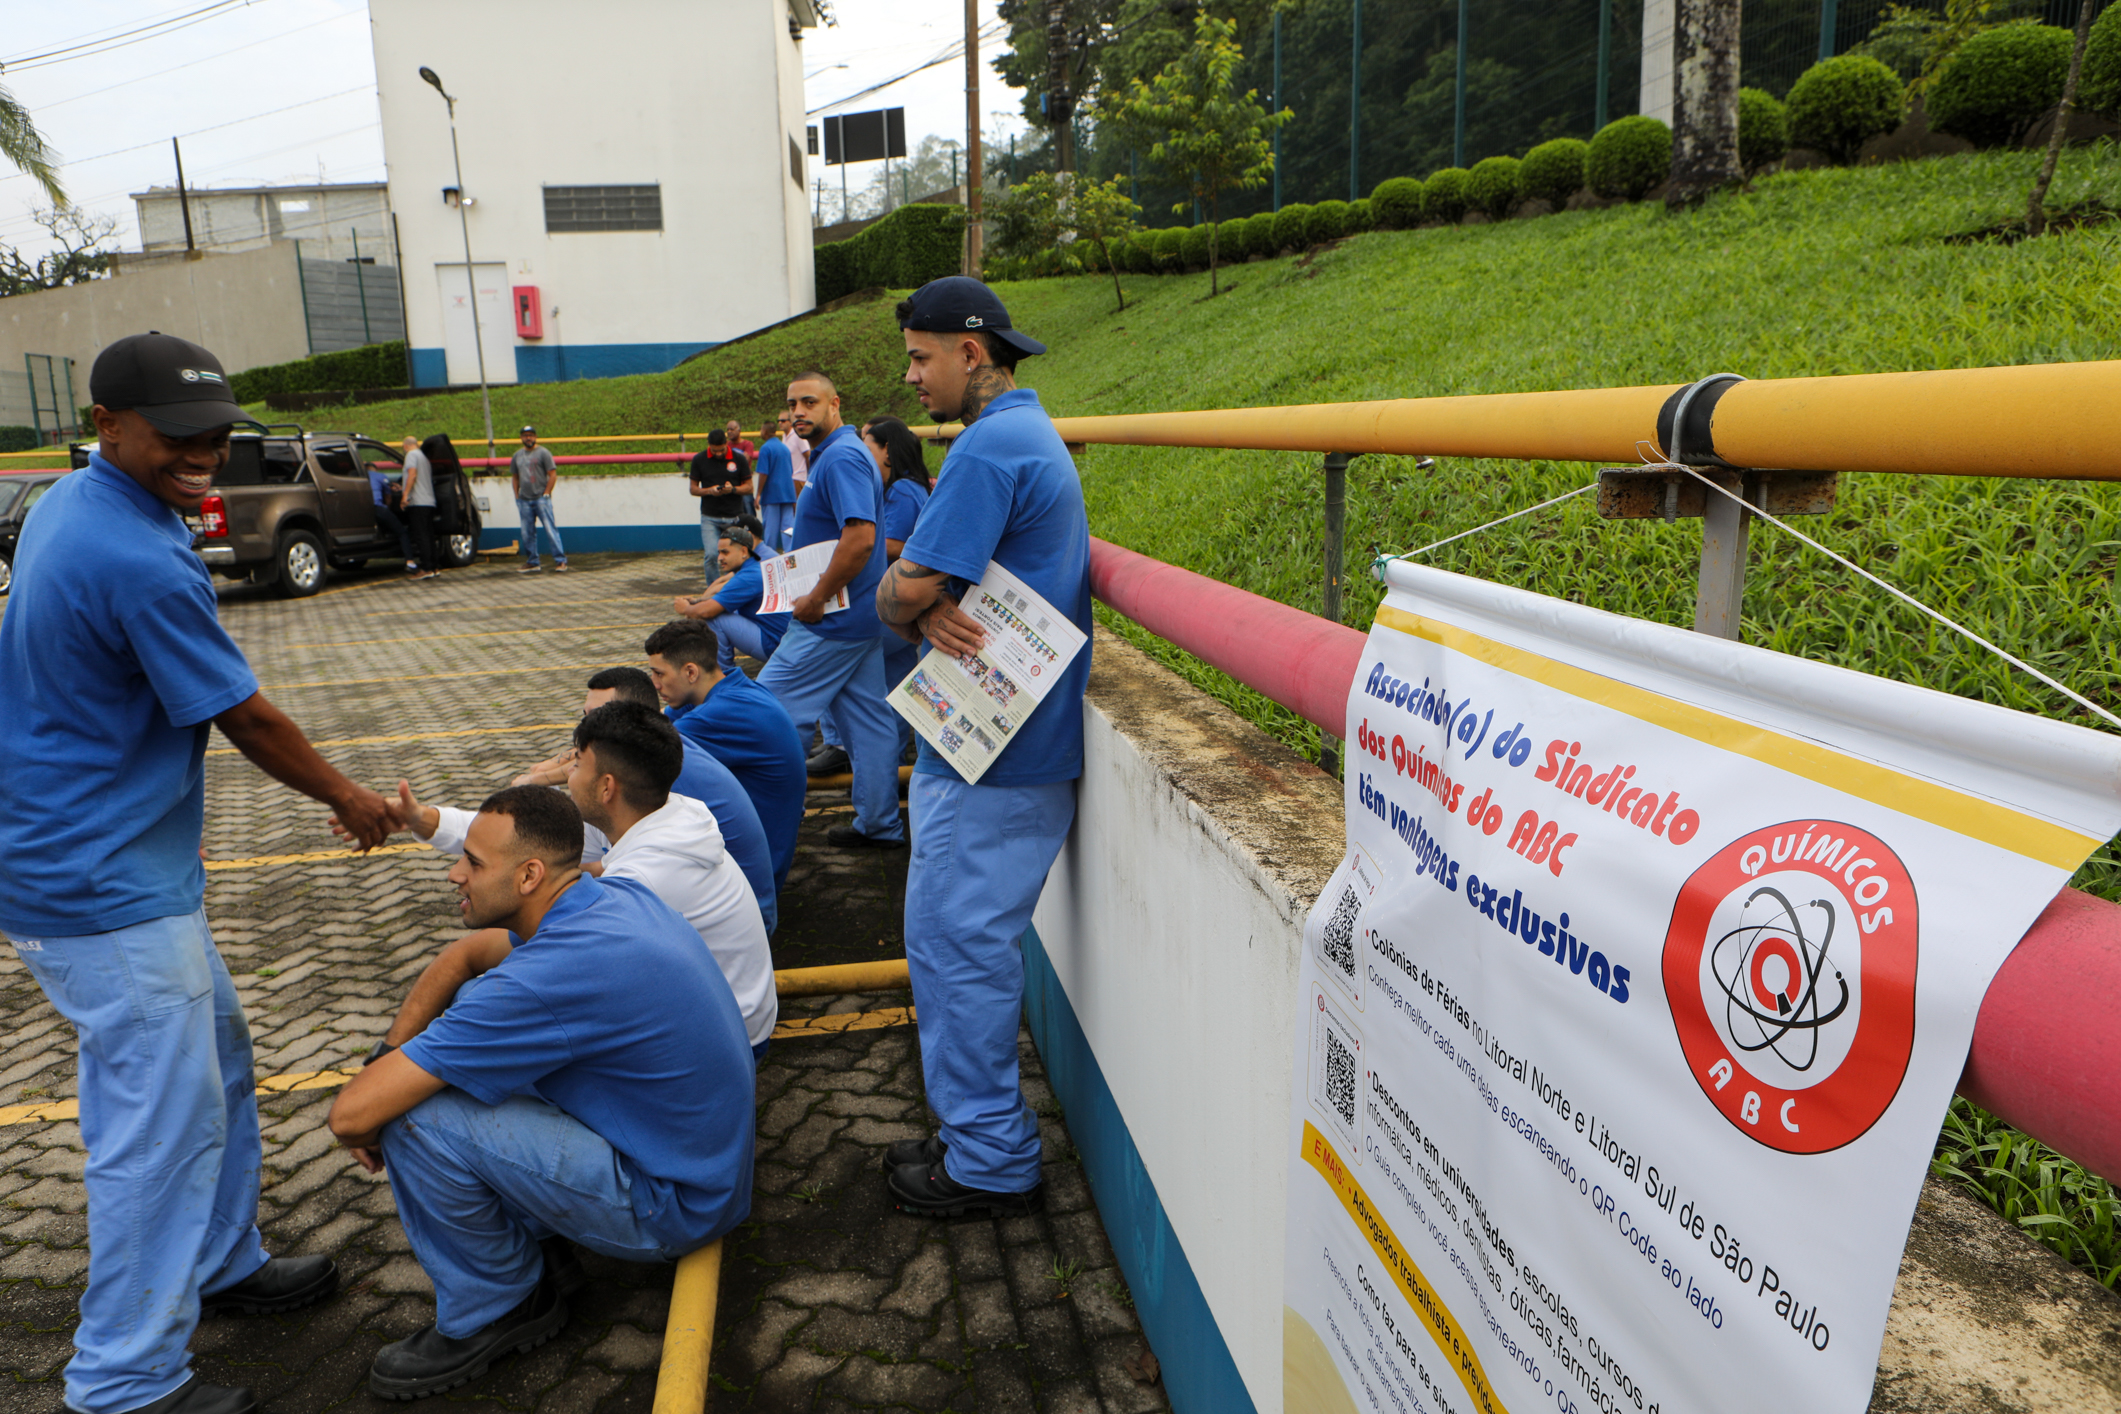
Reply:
x=1807, y=273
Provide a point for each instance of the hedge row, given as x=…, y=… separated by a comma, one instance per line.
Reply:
x=905, y=250
x=19, y=439
x=370, y=366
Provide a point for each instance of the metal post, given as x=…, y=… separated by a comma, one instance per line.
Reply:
x=1458, y=130
x=29, y=376
x=1725, y=526
x=397, y=260
x=1355, y=111
x=1828, y=22
x=309, y=332
x=361, y=286
x=1605, y=62
x=183, y=197
x=1336, y=468
x=73, y=409
x=1278, y=106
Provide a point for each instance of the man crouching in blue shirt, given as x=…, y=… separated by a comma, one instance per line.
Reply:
x=583, y=1075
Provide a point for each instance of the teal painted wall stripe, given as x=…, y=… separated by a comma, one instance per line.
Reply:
x=1199, y=1374
x=592, y=539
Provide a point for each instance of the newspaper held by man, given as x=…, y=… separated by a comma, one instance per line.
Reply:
x=969, y=706
x=789, y=577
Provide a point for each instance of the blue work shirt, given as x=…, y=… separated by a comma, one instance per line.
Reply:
x=709, y=782
x=743, y=594
x=744, y=727
x=614, y=1013
x=776, y=471
x=114, y=665
x=904, y=500
x=844, y=486
x=378, y=486
x=1012, y=494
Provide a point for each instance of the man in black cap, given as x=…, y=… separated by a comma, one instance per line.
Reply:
x=981, y=852
x=116, y=668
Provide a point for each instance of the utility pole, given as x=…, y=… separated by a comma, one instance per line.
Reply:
x=1605, y=61
x=1278, y=105
x=1829, y=18
x=1458, y=130
x=973, y=232
x=1355, y=112
x=183, y=201
x=1060, y=102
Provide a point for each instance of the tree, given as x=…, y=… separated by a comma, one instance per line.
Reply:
x=78, y=258
x=1103, y=215
x=1206, y=136
x=23, y=145
x=1047, y=210
x=2036, y=205
x=1704, y=100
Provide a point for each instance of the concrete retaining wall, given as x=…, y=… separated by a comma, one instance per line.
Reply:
x=630, y=511
x=1163, y=967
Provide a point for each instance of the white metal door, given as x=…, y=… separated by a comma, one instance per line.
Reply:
x=495, y=323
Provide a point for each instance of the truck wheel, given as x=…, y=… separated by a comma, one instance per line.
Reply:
x=461, y=550
x=7, y=575
x=298, y=565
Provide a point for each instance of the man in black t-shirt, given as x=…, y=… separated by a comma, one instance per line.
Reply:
x=719, y=477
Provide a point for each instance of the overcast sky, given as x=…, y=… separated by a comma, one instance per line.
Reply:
x=271, y=91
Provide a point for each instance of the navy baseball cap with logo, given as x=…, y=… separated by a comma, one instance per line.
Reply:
x=957, y=303
x=177, y=386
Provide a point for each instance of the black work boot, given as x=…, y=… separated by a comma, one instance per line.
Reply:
x=927, y=1191
x=282, y=1284
x=195, y=1397
x=431, y=1362
x=914, y=1151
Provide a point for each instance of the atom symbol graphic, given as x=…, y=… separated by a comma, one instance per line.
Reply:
x=1770, y=972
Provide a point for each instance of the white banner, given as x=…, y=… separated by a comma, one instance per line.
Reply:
x=1629, y=1021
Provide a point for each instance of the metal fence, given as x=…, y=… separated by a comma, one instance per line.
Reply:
x=350, y=303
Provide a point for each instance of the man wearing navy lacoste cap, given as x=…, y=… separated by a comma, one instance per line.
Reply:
x=116, y=667
x=981, y=852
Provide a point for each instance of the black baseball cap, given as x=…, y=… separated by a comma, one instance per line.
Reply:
x=177, y=386
x=957, y=303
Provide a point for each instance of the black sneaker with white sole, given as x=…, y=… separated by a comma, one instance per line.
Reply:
x=430, y=1362
x=927, y=1191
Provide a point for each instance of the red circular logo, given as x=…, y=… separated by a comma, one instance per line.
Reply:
x=1790, y=971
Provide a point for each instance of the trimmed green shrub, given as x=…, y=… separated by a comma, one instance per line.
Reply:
x=1839, y=104
x=1170, y=241
x=1289, y=225
x=1443, y=195
x=1494, y=185
x=1397, y=204
x=1233, y=240
x=905, y=250
x=370, y=366
x=1328, y=221
x=1362, y=216
x=1193, y=246
x=1259, y=233
x=2099, y=86
x=1763, y=129
x=1553, y=171
x=1629, y=157
x=1999, y=81
x=1141, y=251
x=19, y=439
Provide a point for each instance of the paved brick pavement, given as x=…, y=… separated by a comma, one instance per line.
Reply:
x=829, y=1301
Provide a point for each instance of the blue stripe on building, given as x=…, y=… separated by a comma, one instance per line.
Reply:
x=497, y=533
x=1199, y=1374
x=563, y=363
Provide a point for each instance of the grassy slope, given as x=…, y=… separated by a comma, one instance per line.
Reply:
x=1811, y=273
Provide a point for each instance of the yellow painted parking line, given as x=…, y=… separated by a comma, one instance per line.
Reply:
x=214, y=866
x=484, y=633
x=415, y=736
x=843, y=1021
x=274, y=1085
x=433, y=677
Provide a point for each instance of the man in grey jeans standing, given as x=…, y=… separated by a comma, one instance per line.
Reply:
x=531, y=471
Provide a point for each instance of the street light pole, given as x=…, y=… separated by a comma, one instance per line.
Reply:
x=471, y=280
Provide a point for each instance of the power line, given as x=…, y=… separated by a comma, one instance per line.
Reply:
x=108, y=32
x=127, y=38
x=950, y=55
x=207, y=59
x=233, y=122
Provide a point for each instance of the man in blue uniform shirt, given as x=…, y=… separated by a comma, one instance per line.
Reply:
x=116, y=666
x=581, y=1075
x=981, y=852
x=733, y=601
x=834, y=663
x=775, y=473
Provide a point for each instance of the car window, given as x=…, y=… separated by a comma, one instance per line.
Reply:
x=245, y=465
x=337, y=459
x=377, y=457
x=10, y=491
x=283, y=461
x=36, y=494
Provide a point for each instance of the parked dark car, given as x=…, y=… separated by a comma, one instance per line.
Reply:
x=291, y=505
x=18, y=492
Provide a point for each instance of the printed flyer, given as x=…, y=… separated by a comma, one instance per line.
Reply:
x=968, y=708
x=1629, y=1020
x=789, y=577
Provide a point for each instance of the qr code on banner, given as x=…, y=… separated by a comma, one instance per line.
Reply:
x=1339, y=940
x=1340, y=1078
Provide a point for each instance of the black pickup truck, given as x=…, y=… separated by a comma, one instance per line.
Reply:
x=291, y=503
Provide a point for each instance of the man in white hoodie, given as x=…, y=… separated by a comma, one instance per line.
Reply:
x=626, y=758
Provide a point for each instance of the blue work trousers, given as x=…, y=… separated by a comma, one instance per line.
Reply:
x=479, y=1186
x=528, y=515
x=843, y=680
x=170, y=1121
x=779, y=521
x=980, y=856
x=712, y=528
x=738, y=633
x=900, y=659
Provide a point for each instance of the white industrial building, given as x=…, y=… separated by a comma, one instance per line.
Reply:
x=636, y=173
x=332, y=220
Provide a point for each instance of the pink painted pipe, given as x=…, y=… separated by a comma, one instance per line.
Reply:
x=2047, y=1046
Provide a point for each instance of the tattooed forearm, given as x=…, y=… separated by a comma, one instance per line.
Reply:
x=906, y=590
x=985, y=385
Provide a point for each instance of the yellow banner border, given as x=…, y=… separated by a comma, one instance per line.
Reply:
x=1451, y=1339
x=1979, y=819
